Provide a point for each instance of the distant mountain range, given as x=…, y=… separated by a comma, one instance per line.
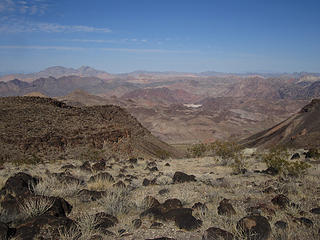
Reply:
x=86, y=71
x=229, y=106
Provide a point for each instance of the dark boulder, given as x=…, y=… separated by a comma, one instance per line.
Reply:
x=43, y=227
x=86, y=195
x=305, y=221
x=216, y=233
x=271, y=171
x=150, y=202
x=254, y=227
x=174, y=213
x=136, y=223
x=315, y=210
x=156, y=225
x=133, y=160
x=281, y=225
x=181, y=177
x=147, y=182
x=226, y=208
x=171, y=203
x=99, y=166
x=281, y=200
x=86, y=167
x=105, y=221
x=295, y=156
x=20, y=184
x=187, y=222
x=5, y=231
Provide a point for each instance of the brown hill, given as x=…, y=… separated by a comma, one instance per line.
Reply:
x=51, y=129
x=302, y=130
x=161, y=95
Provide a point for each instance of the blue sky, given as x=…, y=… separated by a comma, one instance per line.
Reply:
x=161, y=35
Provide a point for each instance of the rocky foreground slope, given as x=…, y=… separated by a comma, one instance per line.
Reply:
x=301, y=130
x=37, y=128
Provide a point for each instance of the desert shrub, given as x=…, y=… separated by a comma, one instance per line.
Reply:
x=117, y=201
x=51, y=186
x=277, y=158
x=197, y=150
x=230, y=153
x=297, y=168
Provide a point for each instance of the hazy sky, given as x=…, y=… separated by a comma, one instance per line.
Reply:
x=160, y=35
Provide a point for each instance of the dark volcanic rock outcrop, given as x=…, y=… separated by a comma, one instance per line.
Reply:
x=34, y=127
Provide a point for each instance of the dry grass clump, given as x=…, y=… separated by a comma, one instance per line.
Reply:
x=51, y=186
x=117, y=201
x=35, y=206
x=100, y=184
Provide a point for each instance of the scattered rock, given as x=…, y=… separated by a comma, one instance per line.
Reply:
x=315, y=210
x=269, y=190
x=136, y=223
x=86, y=167
x=43, y=227
x=156, y=225
x=281, y=200
x=295, y=156
x=5, y=231
x=147, y=182
x=96, y=237
x=150, y=202
x=255, y=227
x=226, y=208
x=86, y=195
x=202, y=207
x=99, y=166
x=163, y=191
x=167, y=165
x=133, y=160
x=105, y=221
x=170, y=204
x=216, y=233
x=19, y=184
x=271, y=171
x=153, y=169
x=174, y=213
x=305, y=221
x=187, y=222
x=68, y=166
x=281, y=225
x=181, y=177
x=60, y=207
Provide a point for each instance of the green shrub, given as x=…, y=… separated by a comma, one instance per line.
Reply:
x=229, y=152
x=277, y=158
x=197, y=150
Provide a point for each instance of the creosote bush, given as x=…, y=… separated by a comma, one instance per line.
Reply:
x=229, y=153
x=277, y=158
x=197, y=150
